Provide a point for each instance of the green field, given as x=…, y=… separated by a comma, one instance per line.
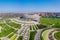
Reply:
x=12, y=24
x=13, y=37
x=7, y=31
x=50, y=21
x=20, y=38
x=32, y=35
x=57, y=35
x=46, y=33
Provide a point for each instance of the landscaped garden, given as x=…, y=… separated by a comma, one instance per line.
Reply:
x=46, y=33
x=45, y=23
x=6, y=30
x=12, y=24
x=13, y=37
x=32, y=35
x=9, y=32
x=34, y=27
x=20, y=38
x=50, y=21
x=57, y=35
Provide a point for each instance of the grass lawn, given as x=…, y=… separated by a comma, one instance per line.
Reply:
x=10, y=35
x=30, y=27
x=20, y=38
x=32, y=35
x=57, y=35
x=46, y=33
x=6, y=30
x=49, y=21
x=36, y=27
x=33, y=28
x=13, y=24
x=13, y=37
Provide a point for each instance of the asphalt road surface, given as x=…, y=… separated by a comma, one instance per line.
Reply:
x=37, y=36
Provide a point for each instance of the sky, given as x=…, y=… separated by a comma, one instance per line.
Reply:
x=29, y=5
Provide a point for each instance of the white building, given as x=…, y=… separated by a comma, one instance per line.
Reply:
x=33, y=17
x=28, y=19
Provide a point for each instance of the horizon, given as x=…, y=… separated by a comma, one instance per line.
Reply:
x=23, y=6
